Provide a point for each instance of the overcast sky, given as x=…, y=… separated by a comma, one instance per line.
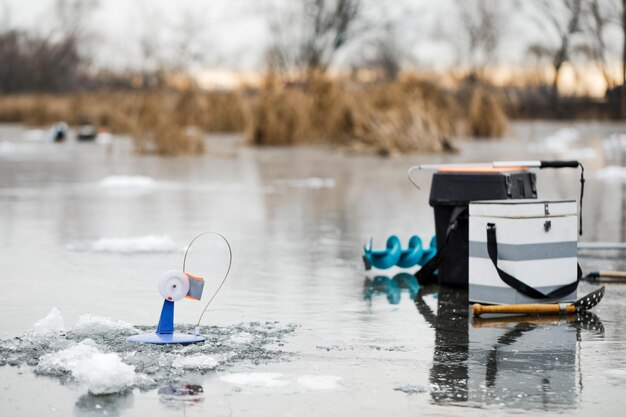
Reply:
x=234, y=35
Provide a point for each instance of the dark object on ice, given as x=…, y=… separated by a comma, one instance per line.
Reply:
x=86, y=133
x=450, y=195
x=58, y=133
x=583, y=304
x=180, y=390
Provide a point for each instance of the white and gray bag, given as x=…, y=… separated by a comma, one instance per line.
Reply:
x=523, y=251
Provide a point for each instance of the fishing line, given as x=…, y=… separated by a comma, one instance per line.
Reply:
x=230, y=262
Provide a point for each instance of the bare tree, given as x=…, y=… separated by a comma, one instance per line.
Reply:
x=174, y=43
x=561, y=22
x=309, y=37
x=482, y=23
x=383, y=54
x=598, y=16
x=72, y=17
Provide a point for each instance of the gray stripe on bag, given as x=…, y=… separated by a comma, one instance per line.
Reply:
x=528, y=252
x=487, y=294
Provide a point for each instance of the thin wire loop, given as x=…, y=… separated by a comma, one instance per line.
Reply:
x=410, y=171
x=230, y=262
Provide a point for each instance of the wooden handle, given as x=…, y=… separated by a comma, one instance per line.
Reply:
x=479, y=309
x=612, y=274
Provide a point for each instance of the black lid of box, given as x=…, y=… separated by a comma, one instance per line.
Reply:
x=459, y=188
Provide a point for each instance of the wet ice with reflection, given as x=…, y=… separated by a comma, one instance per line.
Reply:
x=527, y=362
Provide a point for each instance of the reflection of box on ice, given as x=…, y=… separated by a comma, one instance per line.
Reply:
x=523, y=365
x=536, y=244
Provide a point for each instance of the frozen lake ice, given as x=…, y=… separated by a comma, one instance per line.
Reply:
x=87, y=230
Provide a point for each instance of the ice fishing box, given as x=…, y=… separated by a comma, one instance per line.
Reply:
x=450, y=195
x=522, y=251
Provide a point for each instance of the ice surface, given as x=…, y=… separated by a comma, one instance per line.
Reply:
x=560, y=141
x=127, y=181
x=52, y=324
x=128, y=246
x=614, y=146
x=104, y=138
x=616, y=373
x=257, y=379
x=563, y=136
x=612, y=173
x=312, y=182
x=7, y=147
x=95, y=352
x=319, y=382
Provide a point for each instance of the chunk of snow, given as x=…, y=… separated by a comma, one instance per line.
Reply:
x=103, y=373
x=52, y=324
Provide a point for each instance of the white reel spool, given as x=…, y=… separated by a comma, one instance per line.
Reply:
x=173, y=285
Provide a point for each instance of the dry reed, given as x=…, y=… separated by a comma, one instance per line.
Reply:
x=403, y=116
x=486, y=117
x=400, y=117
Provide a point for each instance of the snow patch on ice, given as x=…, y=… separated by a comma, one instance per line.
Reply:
x=127, y=246
x=612, y=173
x=127, y=181
x=103, y=373
x=89, y=325
x=258, y=379
x=319, y=382
x=50, y=325
x=199, y=361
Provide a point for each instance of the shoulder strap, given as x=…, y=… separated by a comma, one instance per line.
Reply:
x=426, y=274
x=492, y=248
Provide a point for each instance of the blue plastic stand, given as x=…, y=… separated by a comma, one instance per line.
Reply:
x=165, y=330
